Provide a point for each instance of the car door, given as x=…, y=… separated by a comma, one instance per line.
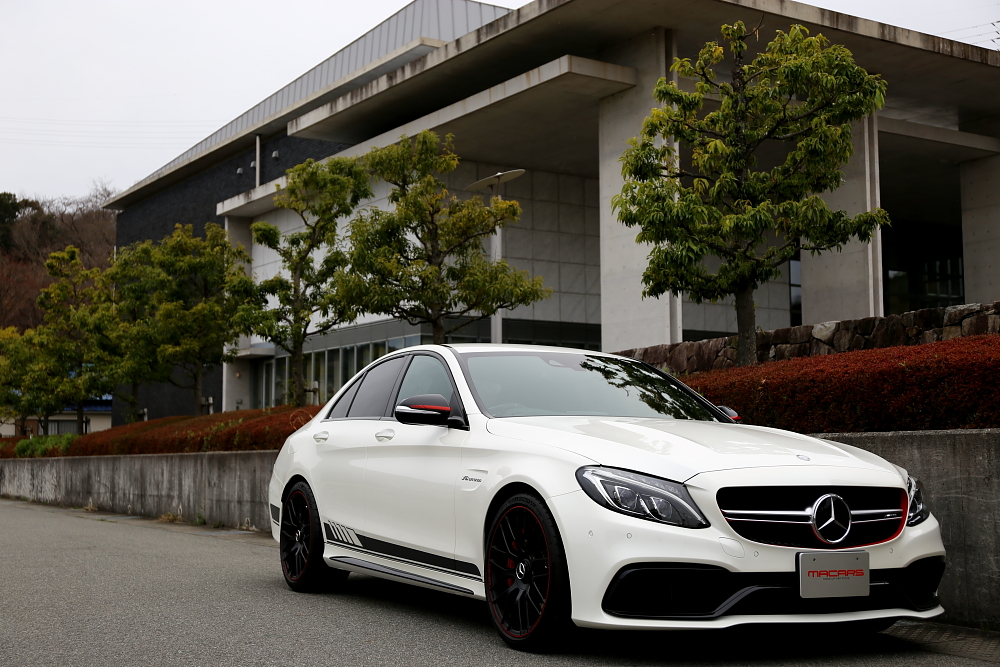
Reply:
x=411, y=476
x=341, y=449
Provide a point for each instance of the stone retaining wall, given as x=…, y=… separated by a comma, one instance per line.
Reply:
x=914, y=328
x=229, y=488
x=961, y=475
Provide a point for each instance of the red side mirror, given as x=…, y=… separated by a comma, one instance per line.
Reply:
x=729, y=412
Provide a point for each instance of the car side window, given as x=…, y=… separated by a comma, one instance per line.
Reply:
x=373, y=394
x=426, y=375
x=339, y=409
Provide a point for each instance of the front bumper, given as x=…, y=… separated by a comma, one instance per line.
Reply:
x=601, y=545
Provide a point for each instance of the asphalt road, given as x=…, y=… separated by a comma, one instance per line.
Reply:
x=79, y=588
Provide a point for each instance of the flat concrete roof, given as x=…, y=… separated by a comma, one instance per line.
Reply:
x=545, y=118
x=932, y=80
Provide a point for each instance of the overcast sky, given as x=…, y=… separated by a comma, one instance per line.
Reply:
x=114, y=89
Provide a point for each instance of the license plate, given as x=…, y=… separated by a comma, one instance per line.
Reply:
x=842, y=574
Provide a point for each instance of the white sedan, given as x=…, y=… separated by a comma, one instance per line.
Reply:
x=568, y=486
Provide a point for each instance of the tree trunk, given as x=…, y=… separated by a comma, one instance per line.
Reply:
x=79, y=418
x=746, y=323
x=298, y=392
x=197, y=391
x=437, y=327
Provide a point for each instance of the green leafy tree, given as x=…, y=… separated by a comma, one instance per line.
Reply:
x=800, y=93
x=202, y=285
x=423, y=261
x=28, y=386
x=306, y=297
x=123, y=322
x=67, y=347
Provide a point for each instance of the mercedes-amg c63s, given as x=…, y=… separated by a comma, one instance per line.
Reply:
x=574, y=487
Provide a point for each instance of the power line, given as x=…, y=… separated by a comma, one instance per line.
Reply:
x=213, y=123
x=76, y=144
x=971, y=27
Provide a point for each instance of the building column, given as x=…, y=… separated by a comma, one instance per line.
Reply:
x=237, y=392
x=628, y=320
x=847, y=285
x=981, y=229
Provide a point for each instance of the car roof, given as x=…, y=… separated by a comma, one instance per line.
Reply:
x=514, y=347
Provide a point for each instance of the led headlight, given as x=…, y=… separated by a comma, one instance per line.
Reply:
x=641, y=496
x=918, y=512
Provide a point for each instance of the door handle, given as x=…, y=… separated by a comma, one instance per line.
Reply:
x=387, y=434
x=321, y=436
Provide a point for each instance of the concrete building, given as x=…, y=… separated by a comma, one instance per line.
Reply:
x=556, y=88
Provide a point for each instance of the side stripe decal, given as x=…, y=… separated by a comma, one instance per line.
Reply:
x=340, y=534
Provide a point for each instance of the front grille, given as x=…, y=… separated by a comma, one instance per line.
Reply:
x=693, y=591
x=781, y=515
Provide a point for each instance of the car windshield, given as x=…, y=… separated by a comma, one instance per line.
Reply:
x=541, y=383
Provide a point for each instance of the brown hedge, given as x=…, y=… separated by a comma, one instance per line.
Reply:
x=947, y=385
x=226, y=431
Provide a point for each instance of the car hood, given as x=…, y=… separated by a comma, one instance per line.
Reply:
x=679, y=449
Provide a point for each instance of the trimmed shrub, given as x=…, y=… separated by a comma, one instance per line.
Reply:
x=7, y=446
x=241, y=430
x=44, y=445
x=945, y=385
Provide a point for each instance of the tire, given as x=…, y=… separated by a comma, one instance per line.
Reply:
x=527, y=581
x=300, y=545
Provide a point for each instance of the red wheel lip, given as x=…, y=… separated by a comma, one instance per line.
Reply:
x=489, y=573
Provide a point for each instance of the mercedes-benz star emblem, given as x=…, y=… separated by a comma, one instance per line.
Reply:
x=831, y=518
x=522, y=569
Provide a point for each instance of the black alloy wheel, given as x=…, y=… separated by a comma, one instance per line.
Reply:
x=301, y=544
x=527, y=588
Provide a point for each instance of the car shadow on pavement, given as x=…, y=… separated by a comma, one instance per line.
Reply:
x=747, y=644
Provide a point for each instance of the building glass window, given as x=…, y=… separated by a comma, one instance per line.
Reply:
x=918, y=274
x=279, y=380
x=256, y=382
x=319, y=376
x=394, y=344
x=268, y=384
x=364, y=355
x=332, y=372
x=378, y=349
x=795, y=289
x=346, y=364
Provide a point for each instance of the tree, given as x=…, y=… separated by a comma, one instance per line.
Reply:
x=308, y=295
x=801, y=93
x=201, y=286
x=67, y=347
x=28, y=387
x=10, y=206
x=123, y=324
x=423, y=261
x=32, y=229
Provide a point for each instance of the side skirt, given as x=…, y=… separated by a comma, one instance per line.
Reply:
x=390, y=572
